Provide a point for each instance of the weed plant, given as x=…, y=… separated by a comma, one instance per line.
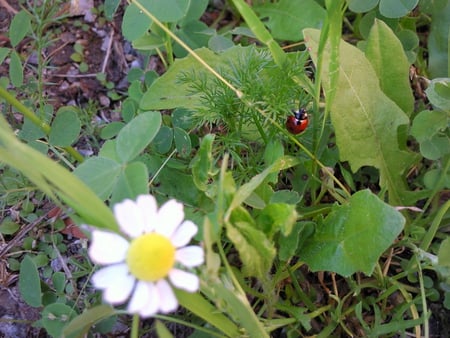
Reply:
x=341, y=230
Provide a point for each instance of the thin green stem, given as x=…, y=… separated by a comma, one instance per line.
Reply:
x=135, y=327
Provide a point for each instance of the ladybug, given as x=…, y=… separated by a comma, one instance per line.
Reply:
x=298, y=122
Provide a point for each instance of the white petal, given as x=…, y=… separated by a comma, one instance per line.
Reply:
x=107, y=247
x=184, y=280
x=140, y=297
x=170, y=215
x=190, y=256
x=116, y=283
x=153, y=300
x=184, y=234
x=129, y=217
x=168, y=301
x=147, y=206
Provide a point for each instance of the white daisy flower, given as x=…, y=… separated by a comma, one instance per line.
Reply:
x=143, y=263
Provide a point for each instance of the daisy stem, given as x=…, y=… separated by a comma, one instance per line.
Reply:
x=135, y=326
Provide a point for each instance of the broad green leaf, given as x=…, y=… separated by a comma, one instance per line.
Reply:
x=195, y=34
x=385, y=53
x=29, y=282
x=111, y=130
x=429, y=130
x=247, y=189
x=444, y=253
x=162, y=142
x=182, y=118
x=438, y=92
x=111, y=8
x=135, y=23
x=277, y=217
x=255, y=249
x=65, y=127
x=166, y=10
x=131, y=183
x=8, y=226
x=55, y=317
x=361, y=6
x=438, y=42
x=194, y=11
x=353, y=236
x=182, y=142
x=100, y=174
x=3, y=53
x=365, y=119
x=54, y=180
x=15, y=69
x=80, y=325
x=203, y=163
x=287, y=18
x=137, y=134
x=395, y=8
x=20, y=26
x=59, y=281
x=168, y=92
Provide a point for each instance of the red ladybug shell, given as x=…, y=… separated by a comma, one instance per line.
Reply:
x=297, y=123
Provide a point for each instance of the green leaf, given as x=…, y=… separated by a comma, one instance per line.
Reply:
x=3, y=53
x=438, y=93
x=161, y=330
x=255, y=250
x=361, y=6
x=15, y=69
x=247, y=189
x=135, y=23
x=65, y=127
x=385, y=53
x=53, y=179
x=132, y=182
x=203, y=163
x=287, y=18
x=353, y=236
x=137, y=134
x=80, y=325
x=397, y=9
x=29, y=282
x=162, y=142
x=59, y=281
x=167, y=92
x=167, y=10
x=429, y=130
x=444, y=253
x=100, y=174
x=8, y=226
x=203, y=308
x=20, y=26
x=365, y=119
x=111, y=8
x=194, y=34
x=277, y=217
x=182, y=142
x=438, y=41
x=55, y=317
x=111, y=130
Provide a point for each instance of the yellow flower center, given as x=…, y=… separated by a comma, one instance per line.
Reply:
x=150, y=257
